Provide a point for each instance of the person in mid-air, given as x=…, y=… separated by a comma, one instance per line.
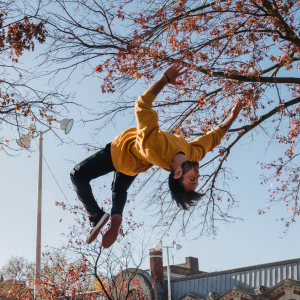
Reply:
x=139, y=148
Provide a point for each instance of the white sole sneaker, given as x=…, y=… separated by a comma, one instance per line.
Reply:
x=94, y=231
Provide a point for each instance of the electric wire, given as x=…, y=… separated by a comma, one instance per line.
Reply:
x=54, y=176
x=56, y=181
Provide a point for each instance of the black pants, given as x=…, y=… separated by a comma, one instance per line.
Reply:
x=97, y=165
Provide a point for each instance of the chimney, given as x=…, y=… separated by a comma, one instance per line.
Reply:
x=192, y=264
x=156, y=265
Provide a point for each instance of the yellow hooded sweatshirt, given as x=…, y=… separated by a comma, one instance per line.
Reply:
x=139, y=148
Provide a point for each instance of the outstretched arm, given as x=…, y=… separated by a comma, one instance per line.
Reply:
x=238, y=105
x=213, y=138
x=169, y=76
x=146, y=117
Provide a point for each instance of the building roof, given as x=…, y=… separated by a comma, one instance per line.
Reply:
x=247, y=278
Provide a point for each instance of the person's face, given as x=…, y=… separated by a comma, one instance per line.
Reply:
x=190, y=173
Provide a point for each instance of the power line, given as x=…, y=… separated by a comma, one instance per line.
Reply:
x=54, y=177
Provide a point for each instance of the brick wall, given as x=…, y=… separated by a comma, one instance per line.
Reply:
x=296, y=292
x=156, y=265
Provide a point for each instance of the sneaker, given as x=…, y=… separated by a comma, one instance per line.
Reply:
x=96, y=226
x=111, y=234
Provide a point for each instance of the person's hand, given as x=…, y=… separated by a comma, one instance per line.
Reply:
x=173, y=72
x=237, y=106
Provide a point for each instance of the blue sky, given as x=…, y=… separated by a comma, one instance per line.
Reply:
x=257, y=239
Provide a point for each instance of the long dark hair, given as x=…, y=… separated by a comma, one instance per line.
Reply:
x=183, y=198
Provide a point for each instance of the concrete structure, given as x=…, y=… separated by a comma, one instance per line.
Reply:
x=189, y=268
x=272, y=281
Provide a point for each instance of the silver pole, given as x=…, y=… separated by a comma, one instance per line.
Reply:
x=39, y=216
x=169, y=281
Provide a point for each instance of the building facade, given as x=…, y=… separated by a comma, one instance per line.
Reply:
x=272, y=281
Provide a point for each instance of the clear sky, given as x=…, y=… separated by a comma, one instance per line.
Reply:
x=257, y=239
